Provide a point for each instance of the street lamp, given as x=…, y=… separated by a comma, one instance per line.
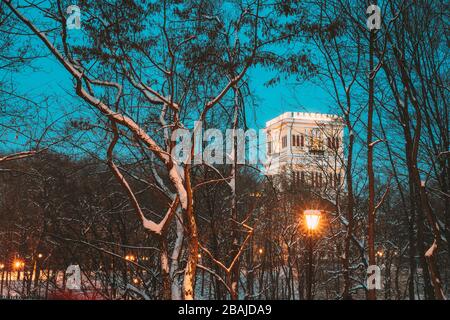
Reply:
x=18, y=264
x=312, y=219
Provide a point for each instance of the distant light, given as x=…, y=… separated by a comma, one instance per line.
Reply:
x=380, y=253
x=130, y=257
x=18, y=264
x=260, y=250
x=136, y=281
x=2, y=266
x=312, y=218
x=40, y=255
x=199, y=255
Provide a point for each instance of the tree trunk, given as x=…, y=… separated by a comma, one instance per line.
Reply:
x=371, y=294
x=350, y=204
x=191, y=266
x=165, y=270
x=234, y=273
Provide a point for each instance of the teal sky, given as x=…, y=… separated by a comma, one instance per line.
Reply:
x=47, y=78
x=288, y=95
x=50, y=78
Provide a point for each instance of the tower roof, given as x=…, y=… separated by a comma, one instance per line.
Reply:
x=306, y=116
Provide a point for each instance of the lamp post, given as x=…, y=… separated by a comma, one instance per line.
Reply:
x=2, y=270
x=129, y=258
x=312, y=219
x=36, y=275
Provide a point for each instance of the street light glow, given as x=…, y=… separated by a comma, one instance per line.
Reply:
x=18, y=264
x=312, y=218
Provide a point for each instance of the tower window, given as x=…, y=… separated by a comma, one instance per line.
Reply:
x=296, y=140
x=284, y=142
x=333, y=143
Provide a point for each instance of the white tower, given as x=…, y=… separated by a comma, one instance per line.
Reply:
x=308, y=147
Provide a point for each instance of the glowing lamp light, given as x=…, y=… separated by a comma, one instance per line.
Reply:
x=40, y=255
x=18, y=264
x=312, y=218
x=260, y=251
x=130, y=257
x=2, y=266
